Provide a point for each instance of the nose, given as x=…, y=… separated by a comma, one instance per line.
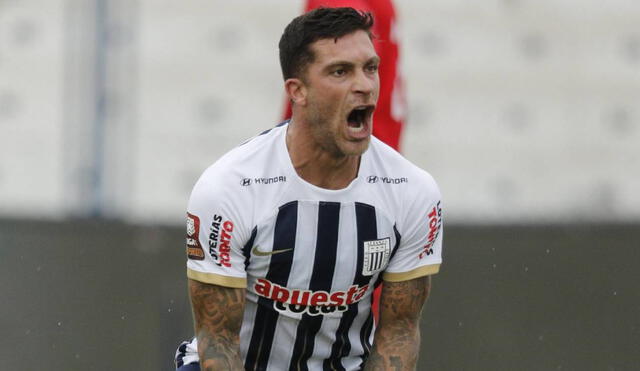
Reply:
x=365, y=83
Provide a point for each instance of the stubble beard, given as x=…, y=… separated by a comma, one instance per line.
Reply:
x=320, y=121
x=330, y=138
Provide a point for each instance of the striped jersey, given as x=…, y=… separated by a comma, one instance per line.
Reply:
x=309, y=257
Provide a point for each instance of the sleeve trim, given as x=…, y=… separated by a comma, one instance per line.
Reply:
x=216, y=279
x=415, y=273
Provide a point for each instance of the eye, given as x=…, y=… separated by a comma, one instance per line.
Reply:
x=339, y=72
x=372, y=68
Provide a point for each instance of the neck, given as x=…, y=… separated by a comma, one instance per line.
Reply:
x=317, y=165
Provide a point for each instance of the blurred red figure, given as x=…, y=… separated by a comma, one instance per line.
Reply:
x=391, y=108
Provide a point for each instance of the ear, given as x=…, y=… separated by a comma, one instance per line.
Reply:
x=296, y=91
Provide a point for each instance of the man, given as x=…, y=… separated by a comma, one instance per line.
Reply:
x=392, y=106
x=289, y=233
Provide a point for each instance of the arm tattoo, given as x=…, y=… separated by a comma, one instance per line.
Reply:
x=397, y=338
x=217, y=312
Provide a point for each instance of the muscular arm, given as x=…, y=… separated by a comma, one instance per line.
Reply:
x=397, y=338
x=217, y=312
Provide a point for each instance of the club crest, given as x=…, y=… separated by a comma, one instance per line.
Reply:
x=376, y=256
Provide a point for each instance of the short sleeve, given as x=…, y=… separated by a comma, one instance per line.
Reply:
x=420, y=250
x=216, y=233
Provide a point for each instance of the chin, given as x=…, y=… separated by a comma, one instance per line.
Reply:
x=356, y=148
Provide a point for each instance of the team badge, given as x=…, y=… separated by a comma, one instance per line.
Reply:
x=194, y=249
x=376, y=255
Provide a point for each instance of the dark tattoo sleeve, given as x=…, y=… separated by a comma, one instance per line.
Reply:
x=217, y=312
x=397, y=338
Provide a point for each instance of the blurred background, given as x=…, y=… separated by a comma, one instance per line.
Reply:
x=526, y=112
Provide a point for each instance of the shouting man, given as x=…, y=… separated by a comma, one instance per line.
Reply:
x=289, y=233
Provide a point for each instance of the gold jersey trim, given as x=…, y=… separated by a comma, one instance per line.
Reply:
x=216, y=279
x=405, y=276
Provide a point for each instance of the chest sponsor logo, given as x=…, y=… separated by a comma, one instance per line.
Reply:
x=245, y=182
x=220, y=235
x=386, y=180
x=376, y=256
x=435, y=225
x=314, y=303
x=194, y=249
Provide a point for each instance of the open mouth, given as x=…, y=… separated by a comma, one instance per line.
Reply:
x=359, y=117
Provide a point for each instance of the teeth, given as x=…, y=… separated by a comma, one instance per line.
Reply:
x=356, y=128
x=359, y=122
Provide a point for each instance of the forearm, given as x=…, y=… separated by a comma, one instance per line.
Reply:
x=218, y=352
x=217, y=313
x=397, y=338
x=395, y=348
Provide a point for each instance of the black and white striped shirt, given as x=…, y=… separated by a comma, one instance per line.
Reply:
x=309, y=257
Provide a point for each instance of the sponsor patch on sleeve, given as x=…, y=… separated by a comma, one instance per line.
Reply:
x=194, y=248
x=220, y=240
x=435, y=224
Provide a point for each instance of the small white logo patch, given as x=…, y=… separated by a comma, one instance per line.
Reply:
x=376, y=255
x=191, y=227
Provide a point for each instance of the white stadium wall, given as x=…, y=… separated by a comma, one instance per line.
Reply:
x=524, y=111
x=31, y=86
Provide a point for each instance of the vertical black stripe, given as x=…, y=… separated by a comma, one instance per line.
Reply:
x=395, y=247
x=367, y=230
x=246, y=250
x=321, y=279
x=376, y=261
x=266, y=317
x=365, y=333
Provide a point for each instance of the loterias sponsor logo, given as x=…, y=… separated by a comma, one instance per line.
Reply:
x=306, y=301
x=220, y=240
x=194, y=249
x=435, y=224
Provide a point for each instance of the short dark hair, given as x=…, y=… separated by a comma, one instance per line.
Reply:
x=320, y=23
